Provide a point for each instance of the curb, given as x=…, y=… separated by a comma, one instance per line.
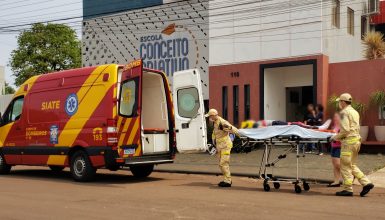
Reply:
x=248, y=175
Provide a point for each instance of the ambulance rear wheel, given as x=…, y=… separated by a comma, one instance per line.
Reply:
x=4, y=167
x=81, y=167
x=142, y=171
x=56, y=168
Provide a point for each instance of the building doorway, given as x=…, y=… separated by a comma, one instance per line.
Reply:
x=286, y=89
x=297, y=98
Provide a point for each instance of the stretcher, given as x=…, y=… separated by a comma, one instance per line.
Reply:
x=291, y=136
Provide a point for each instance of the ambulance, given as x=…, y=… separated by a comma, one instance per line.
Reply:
x=109, y=116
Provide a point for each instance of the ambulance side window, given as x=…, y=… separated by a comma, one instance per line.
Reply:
x=128, y=98
x=188, y=102
x=14, y=110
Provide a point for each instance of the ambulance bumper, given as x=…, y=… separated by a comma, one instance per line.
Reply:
x=153, y=159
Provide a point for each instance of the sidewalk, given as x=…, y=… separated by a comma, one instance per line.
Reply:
x=378, y=178
x=313, y=167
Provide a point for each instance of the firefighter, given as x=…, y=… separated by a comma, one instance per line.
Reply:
x=351, y=142
x=223, y=143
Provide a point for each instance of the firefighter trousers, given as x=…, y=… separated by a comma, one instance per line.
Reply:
x=224, y=163
x=349, y=168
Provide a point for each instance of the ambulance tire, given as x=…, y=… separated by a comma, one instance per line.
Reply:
x=81, y=167
x=56, y=168
x=4, y=167
x=142, y=171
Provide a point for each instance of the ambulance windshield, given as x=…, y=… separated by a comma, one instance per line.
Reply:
x=128, y=98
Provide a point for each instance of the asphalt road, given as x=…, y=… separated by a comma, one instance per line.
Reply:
x=37, y=193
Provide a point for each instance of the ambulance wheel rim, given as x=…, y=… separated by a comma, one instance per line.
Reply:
x=79, y=166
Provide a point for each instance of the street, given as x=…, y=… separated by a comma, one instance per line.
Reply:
x=37, y=193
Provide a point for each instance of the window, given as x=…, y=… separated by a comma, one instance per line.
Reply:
x=350, y=21
x=224, y=102
x=336, y=13
x=188, y=102
x=13, y=111
x=128, y=98
x=364, y=27
x=236, y=104
x=247, y=101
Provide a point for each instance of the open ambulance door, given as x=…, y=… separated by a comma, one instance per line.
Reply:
x=190, y=122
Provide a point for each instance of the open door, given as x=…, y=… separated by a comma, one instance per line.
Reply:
x=190, y=122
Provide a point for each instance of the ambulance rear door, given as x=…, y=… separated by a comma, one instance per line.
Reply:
x=190, y=123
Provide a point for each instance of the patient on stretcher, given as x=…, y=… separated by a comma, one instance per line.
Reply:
x=266, y=123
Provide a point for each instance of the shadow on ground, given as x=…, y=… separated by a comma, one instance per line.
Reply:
x=65, y=176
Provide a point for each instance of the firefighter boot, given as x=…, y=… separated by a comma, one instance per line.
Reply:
x=344, y=193
x=224, y=184
x=366, y=189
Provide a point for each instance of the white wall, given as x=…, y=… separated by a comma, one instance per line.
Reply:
x=275, y=84
x=337, y=43
x=266, y=30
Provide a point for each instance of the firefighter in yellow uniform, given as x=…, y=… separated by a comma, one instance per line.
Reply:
x=350, y=138
x=223, y=143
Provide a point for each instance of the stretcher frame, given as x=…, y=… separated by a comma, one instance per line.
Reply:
x=294, y=143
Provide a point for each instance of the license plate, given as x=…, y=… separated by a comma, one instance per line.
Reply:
x=129, y=151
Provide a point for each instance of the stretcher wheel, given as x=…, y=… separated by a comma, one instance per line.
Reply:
x=297, y=189
x=306, y=186
x=277, y=185
x=266, y=187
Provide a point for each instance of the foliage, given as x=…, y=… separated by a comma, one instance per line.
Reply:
x=374, y=45
x=332, y=104
x=44, y=49
x=377, y=99
x=8, y=89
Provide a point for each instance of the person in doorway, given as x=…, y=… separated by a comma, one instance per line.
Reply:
x=350, y=138
x=319, y=116
x=310, y=120
x=335, y=153
x=223, y=143
x=310, y=115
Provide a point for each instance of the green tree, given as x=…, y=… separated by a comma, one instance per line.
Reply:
x=8, y=89
x=43, y=49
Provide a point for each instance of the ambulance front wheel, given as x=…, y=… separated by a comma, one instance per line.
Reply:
x=4, y=167
x=142, y=171
x=81, y=167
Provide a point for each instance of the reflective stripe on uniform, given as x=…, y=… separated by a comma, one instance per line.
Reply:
x=225, y=152
x=348, y=182
x=352, y=140
x=345, y=153
x=360, y=175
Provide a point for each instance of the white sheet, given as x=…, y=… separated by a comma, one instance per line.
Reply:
x=284, y=131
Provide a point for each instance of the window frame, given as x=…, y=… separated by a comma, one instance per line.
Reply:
x=236, y=104
x=350, y=21
x=225, y=102
x=9, y=111
x=177, y=97
x=134, y=112
x=364, y=27
x=336, y=14
x=247, y=101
